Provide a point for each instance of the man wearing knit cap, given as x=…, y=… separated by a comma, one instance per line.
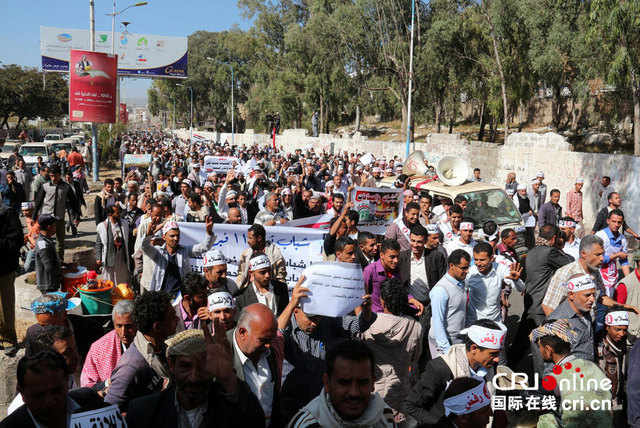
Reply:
x=554, y=341
x=612, y=357
x=262, y=289
x=214, y=266
x=207, y=392
x=476, y=358
x=467, y=403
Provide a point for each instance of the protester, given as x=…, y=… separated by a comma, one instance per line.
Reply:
x=142, y=368
x=191, y=308
x=46, y=375
x=467, y=403
x=400, y=229
x=104, y=354
x=257, y=240
x=207, y=392
x=611, y=354
x=347, y=398
x=261, y=288
x=475, y=357
x=112, y=247
x=11, y=239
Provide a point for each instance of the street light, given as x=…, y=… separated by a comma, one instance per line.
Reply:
x=230, y=68
x=191, y=115
x=413, y=14
x=113, y=20
x=173, y=119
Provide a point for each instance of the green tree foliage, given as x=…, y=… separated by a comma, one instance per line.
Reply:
x=25, y=95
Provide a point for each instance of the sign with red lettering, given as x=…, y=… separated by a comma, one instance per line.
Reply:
x=377, y=207
x=92, y=87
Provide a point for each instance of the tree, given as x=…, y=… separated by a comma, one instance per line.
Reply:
x=616, y=24
x=25, y=94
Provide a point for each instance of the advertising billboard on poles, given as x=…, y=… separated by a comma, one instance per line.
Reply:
x=123, y=113
x=140, y=55
x=92, y=87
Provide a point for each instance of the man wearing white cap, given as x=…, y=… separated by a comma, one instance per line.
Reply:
x=581, y=297
x=543, y=187
x=222, y=306
x=612, y=355
x=475, y=358
x=525, y=203
x=194, y=175
x=171, y=260
x=464, y=242
x=574, y=206
x=287, y=203
x=572, y=243
x=214, y=265
x=180, y=204
x=535, y=194
x=262, y=289
x=467, y=403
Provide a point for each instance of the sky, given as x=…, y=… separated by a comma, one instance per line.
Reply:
x=21, y=21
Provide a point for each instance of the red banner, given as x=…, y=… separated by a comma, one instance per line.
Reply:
x=124, y=115
x=92, y=87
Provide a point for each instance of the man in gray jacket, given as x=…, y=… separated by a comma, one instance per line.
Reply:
x=49, y=269
x=172, y=259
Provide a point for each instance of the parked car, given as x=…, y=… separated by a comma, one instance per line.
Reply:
x=31, y=151
x=7, y=150
x=53, y=137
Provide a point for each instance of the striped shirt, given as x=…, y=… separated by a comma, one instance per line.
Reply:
x=305, y=354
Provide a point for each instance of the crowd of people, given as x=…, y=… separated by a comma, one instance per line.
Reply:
x=428, y=345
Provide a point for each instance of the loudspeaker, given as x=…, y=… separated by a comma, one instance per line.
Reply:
x=415, y=164
x=452, y=170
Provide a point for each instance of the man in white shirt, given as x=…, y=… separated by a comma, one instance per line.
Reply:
x=465, y=242
x=253, y=361
x=572, y=243
x=451, y=229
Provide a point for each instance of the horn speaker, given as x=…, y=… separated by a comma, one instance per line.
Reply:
x=452, y=170
x=415, y=164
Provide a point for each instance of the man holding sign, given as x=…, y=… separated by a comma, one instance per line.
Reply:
x=308, y=336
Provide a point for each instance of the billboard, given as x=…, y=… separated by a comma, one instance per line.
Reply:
x=140, y=55
x=92, y=87
x=123, y=114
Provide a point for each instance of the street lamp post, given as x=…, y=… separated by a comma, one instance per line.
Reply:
x=191, y=115
x=173, y=118
x=413, y=13
x=94, y=126
x=113, y=20
x=232, y=105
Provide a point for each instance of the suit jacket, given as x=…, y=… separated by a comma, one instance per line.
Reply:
x=159, y=409
x=434, y=263
x=85, y=330
x=276, y=411
x=247, y=296
x=360, y=258
x=84, y=397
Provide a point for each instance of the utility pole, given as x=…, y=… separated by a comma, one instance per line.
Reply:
x=94, y=126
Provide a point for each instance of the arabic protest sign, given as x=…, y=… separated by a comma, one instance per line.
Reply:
x=335, y=288
x=103, y=417
x=314, y=222
x=377, y=207
x=137, y=160
x=92, y=87
x=219, y=164
x=300, y=247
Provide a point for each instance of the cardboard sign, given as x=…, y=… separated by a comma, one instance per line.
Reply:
x=219, y=164
x=377, y=207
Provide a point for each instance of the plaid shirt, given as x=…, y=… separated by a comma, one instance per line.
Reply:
x=557, y=290
x=101, y=359
x=574, y=205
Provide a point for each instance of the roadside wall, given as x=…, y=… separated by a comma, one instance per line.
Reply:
x=523, y=153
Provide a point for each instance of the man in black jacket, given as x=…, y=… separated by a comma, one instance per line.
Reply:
x=367, y=251
x=195, y=360
x=46, y=374
x=10, y=242
x=261, y=289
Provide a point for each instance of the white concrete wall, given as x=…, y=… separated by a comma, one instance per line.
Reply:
x=524, y=154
